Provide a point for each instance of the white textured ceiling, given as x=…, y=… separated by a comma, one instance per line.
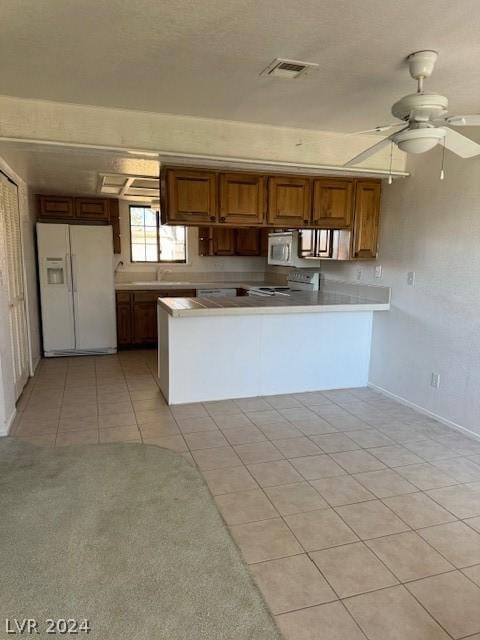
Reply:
x=203, y=57
x=66, y=170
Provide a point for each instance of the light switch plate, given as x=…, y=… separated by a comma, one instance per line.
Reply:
x=378, y=271
x=411, y=278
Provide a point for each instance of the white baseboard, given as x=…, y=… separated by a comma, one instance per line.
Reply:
x=8, y=425
x=426, y=412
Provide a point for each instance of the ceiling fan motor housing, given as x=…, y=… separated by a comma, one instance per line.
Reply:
x=422, y=63
x=421, y=107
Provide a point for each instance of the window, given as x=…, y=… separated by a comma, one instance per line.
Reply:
x=151, y=241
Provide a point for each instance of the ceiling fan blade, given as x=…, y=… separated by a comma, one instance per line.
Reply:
x=371, y=150
x=460, y=144
x=464, y=121
x=379, y=129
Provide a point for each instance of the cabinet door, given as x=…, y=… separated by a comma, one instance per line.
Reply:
x=264, y=241
x=52, y=207
x=124, y=324
x=247, y=242
x=92, y=209
x=191, y=197
x=115, y=222
x=145, y=316
x=242, y=198
x=145, y=322
x=205, y=240
x=223, y=241
x=366, y=215
x=332, y=203
x=289, y=201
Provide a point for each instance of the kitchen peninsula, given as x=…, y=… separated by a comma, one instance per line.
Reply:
x=214, y=349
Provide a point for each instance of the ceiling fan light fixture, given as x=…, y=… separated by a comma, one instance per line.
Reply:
x=419, y=140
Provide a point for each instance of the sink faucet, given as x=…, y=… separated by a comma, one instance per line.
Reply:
x=161, y=273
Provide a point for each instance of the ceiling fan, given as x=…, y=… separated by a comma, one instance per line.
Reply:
x=422, y=118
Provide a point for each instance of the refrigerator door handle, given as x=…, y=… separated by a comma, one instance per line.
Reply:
x=68, y=272
x=74, y=272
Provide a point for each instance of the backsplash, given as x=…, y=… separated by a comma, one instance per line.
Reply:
x=122, y=277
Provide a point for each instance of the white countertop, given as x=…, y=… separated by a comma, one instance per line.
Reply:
x=316, y=302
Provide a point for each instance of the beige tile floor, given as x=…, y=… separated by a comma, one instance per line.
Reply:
x=358, y=517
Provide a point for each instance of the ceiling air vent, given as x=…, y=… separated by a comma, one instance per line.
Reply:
x=283, y=68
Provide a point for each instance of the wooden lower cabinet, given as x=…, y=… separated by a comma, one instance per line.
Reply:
x=124, y=319
x=144, y=318
x=137, y=315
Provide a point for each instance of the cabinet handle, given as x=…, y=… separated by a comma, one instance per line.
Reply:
x=212, y=218
x=222, y=219
x=305, y=221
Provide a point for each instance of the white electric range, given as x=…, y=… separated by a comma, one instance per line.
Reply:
x=299, y=280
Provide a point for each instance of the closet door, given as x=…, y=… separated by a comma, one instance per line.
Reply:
x=13, y=268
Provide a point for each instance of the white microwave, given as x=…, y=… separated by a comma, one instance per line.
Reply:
x=283, y=250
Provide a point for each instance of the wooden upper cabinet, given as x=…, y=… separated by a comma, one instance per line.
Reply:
x=51, y=207
x=289, y=201
x=332, y=203
x=191, y=196
x=247, y=242
x=92, y=209
x=223, y=241
x=366, y=215
x=242, y=198
x=114, y=216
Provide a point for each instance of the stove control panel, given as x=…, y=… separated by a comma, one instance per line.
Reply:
x=306, y=277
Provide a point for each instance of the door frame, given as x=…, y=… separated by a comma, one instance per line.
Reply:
x=30, y=365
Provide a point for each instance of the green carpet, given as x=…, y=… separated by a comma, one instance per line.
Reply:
x=126, y=536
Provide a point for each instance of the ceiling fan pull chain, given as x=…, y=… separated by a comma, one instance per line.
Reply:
x=442, y=171
x=390, y=179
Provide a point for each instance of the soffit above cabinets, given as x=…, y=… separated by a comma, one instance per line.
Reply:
x=128, y=187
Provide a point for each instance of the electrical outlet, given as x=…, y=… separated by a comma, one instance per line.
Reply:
x=359, y=274
x=411, y=278
x=435, y=380
x=378, y=271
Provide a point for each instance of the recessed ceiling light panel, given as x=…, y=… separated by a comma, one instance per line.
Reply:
x=289, y=69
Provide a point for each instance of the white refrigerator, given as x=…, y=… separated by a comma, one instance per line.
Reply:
x=75, y=264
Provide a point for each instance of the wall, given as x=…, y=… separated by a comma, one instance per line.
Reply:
x=431, y=227
x=7, y=393
x=198, y=268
